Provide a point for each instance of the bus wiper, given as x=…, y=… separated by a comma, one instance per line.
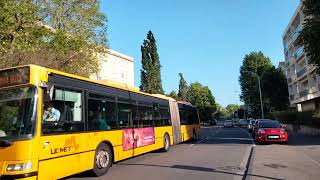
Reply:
x=5, y=143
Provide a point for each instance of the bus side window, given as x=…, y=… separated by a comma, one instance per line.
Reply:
x=145, y=116
x=126, y=113
x=102, y=114
x=68, y=104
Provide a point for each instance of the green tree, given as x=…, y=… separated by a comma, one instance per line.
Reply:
x=220, y=113
x=64, y=35
x=151, y=67
x=231, y=108
x=202, y=98
x=310, y=34
x=273, y=85
x=173, y=94
x=258, y=63
x=183, y=88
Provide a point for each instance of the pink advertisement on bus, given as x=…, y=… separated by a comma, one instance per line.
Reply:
x=138, y=137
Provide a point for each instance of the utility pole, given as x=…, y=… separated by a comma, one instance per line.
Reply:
x=261, y=104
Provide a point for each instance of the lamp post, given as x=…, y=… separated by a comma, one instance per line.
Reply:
x=261, y=104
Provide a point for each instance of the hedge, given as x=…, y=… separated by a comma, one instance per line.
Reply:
x=308, y=118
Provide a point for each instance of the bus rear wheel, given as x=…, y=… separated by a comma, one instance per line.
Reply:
x=102, y=160
x=166, y=143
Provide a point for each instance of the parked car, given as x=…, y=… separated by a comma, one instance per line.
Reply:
x=213, y=122
x=270, y=131
x=243, y=123
x=254, y=126
x=250, y=125
x=228, y=123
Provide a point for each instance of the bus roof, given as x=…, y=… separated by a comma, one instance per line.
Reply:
x=103, y=82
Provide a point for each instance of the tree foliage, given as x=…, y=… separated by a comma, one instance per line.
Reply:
x=273, y=84
x=231, y=108
x=151, y=67
x=220, y=113
x=183, y=88
x=173, y=94
x=60, y=34
x=202, y=98
x=310, y=33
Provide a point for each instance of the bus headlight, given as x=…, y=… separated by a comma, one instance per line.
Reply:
x=19, y=167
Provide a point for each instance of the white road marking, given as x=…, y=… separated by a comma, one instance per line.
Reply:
x=207, y=137
x=252, y=141
x=314, y=161
x=244, y=139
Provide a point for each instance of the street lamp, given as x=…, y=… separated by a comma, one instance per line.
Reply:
x=251, y=72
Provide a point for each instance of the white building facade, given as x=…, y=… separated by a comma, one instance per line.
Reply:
x=303, y=82
x=116, y=67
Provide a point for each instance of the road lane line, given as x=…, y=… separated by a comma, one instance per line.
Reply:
x=243, y=139
x=206, y=138
x=253, y=144
x=314, y=161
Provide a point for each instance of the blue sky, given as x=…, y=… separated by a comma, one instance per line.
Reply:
x=205, y=40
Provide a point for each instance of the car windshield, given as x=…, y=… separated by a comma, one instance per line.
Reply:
x=17, y=113
x=269, y=124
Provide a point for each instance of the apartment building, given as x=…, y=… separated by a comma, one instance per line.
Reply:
x=303, y=83
x=115, y=67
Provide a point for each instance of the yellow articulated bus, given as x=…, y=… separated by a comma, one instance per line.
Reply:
x=54, y=124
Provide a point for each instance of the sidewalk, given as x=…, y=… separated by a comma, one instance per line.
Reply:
x=300, y=160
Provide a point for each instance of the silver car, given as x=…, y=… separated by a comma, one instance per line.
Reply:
x=228, y=123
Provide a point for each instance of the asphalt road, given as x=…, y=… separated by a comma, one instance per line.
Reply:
x=219, y=153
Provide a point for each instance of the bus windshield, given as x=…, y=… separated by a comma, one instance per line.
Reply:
x=17, y=113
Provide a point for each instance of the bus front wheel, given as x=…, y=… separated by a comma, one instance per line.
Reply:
x=102, y=160
x=166, y=143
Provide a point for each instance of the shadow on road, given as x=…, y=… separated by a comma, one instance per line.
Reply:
x=260, y=176
x=297, y=139
x=184, y=167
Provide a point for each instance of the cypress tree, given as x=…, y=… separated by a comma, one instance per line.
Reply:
x=151, y=67
x=183, y=88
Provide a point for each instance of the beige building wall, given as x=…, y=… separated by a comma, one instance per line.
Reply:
x=116, y=67
x=303, y=82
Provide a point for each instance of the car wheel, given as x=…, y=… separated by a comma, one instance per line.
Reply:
x=103, y=160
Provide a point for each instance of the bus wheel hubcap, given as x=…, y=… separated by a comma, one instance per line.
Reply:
x=166, y=143
x=102, y=159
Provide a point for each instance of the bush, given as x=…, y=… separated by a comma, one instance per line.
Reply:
x=308, y=118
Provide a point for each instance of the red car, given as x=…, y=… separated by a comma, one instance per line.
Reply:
x=270, y=131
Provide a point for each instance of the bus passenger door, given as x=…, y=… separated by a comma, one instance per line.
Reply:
x=175, y=119
x=126, y=112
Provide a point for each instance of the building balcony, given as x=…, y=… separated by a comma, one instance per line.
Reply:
x=304, y=93
x=313, y=89
x=298, y=53
x=295, y=33
x=291, y=97
x=301, y=72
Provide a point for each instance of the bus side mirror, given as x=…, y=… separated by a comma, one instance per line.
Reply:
x=48, y=89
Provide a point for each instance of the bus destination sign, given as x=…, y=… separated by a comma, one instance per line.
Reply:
x=15, y=76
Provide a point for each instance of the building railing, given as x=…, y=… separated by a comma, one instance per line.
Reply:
x=295, y=33
x=304, y=93
x=291, y=97
x=298, y=52
x=301, y=72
